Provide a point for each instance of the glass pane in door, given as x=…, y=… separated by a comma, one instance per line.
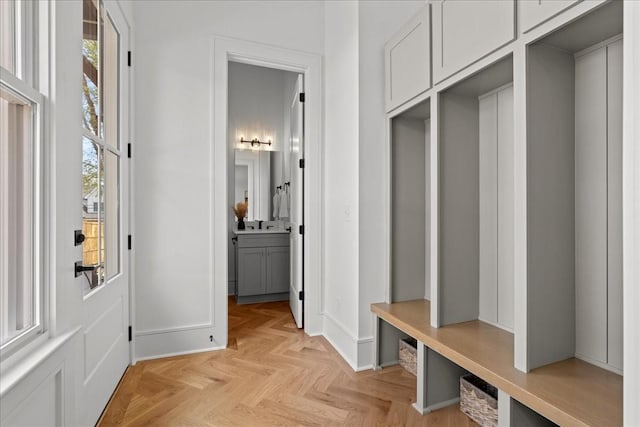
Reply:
x=92, y=207
x=92, y=27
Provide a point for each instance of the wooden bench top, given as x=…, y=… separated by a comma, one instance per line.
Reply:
x=571, y=392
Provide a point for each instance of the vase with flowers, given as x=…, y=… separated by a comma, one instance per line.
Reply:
x=240, y=209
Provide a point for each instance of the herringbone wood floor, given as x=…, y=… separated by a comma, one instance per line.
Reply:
x=270, y=374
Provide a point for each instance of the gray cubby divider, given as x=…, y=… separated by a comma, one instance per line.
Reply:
x=550, y=206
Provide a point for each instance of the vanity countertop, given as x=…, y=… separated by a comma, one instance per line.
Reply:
x=261, y=231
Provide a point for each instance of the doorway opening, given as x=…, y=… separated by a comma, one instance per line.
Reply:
x=228, y=53
x=265, y=186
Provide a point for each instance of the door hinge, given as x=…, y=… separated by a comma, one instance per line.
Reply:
x=301, y=295
x=129, y=150
x=129, y=244
x=129, y=58
x=301, y=229
x=302, y=97
x=130, y=333
x=301, y=163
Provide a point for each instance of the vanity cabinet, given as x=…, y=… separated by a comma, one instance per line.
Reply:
x=466, y=31
x=263, y=267
x=407, y=58
x=534, y=13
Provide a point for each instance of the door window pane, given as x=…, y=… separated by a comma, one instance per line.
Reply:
x=92, y=223
x=101, y=144
x=92, y=25
x=19, y=301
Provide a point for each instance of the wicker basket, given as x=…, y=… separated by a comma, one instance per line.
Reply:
x=479, y=400
x=407, y=355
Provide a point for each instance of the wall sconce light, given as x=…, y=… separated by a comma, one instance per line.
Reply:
x=254, y=141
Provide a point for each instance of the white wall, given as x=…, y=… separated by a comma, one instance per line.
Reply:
x=173, y=140
x=355, y=34
x=378, y=21
x=255, y=97
x=341, y=177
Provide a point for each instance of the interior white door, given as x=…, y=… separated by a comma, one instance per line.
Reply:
x=105, y=283
x=296, y=192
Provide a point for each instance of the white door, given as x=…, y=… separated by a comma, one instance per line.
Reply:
x=296, y=193
x=105, y=304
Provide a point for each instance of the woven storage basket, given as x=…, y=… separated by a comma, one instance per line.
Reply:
x=479, y=400
x=407, y=350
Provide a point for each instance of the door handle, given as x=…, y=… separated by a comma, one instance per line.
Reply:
x=79, y=268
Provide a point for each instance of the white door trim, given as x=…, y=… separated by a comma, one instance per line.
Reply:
x=224, y=50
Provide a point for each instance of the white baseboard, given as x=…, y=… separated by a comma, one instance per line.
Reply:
x=435, y=407
x=178, y=341
x=179, y=353
x=357, y=352
x=341, y=340
x=365, y=353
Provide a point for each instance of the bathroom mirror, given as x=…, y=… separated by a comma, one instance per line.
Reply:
x=257, y=175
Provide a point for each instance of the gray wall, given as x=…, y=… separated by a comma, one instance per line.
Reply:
x=459, y=209
x=408, y=210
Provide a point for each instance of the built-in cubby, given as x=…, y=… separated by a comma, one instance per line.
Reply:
x=409, y=218
x=409, y=148
x=574, y=184
x=475, y=186
x=519, y=157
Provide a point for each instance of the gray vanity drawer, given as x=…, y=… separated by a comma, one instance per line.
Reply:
x=262, y=240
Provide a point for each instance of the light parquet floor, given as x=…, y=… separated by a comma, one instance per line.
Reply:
x=270, y=374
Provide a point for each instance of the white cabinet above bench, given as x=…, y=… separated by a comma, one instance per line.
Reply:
x=465, y=31
x=407, y=61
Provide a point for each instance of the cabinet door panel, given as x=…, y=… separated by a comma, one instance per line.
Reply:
x=464, y=31
x=277, y=270
x=251, y=271
x=534, y=13
x=407, y=57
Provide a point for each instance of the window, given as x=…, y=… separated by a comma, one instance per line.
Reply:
x=100, y=146
x=21, y=280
